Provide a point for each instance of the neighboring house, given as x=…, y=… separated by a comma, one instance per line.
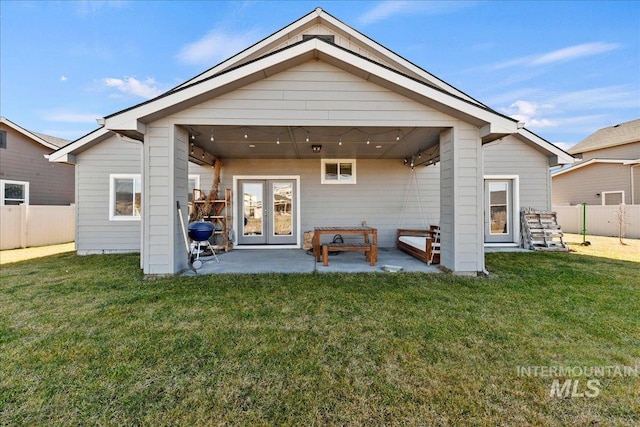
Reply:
x=320, y=112
x=608, y=172
x=26, y=175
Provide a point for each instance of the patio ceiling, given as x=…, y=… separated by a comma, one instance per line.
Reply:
x=295, y=142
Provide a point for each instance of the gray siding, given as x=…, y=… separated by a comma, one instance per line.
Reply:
x=513, y=157
x=461, y=199
x=313, y=94
x=378, y=197
x=95, y=233
x=625, y=152
x=23, y=160
x=582, y=185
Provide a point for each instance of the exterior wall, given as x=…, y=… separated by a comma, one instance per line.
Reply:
x=461, y=200
x=582, y=185
x=23, y=160
x=625, y=152
x=95, y=233
x=313, y=94
x=513, y=157
x=383, y=187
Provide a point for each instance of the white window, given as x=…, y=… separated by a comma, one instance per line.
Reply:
x=14, y=192
x=194, y=182
x=125, y=197
x=338, y=171
x=613, y=198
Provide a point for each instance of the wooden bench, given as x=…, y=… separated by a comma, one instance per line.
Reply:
x=367, y=248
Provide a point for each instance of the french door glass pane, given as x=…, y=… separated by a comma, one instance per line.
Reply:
x=252, y=208
x=282, y=209
x=498, y=200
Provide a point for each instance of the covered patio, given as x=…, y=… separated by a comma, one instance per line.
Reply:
x=250, y=261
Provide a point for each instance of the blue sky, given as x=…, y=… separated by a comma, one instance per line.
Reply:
x=564, y=68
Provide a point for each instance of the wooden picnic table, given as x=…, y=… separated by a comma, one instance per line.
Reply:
x=370, y=237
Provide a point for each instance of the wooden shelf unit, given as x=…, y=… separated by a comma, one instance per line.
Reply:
x=220, y=215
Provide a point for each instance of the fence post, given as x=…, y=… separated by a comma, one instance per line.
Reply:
x=23, y=225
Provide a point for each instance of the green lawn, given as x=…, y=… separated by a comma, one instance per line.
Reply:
x=87, y=341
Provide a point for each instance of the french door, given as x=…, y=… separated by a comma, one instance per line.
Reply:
x=498, y=216
x=267, y=212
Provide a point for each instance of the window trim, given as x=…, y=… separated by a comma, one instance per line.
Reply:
x=3, y=139
x=338, y=181
x=112, y=179
x=612, y=192
x=3, y=182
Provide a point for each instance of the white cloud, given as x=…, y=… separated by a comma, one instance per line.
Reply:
x=529, y=113
x=560, y=55
x=63, y=79
x=71, y=117
x=215, y=47
x=131, y=86
x=580, y=109
x=388, y=9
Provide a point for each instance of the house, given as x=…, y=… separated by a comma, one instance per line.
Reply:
x=26, y=175
x=352, y=131
x=608, y=172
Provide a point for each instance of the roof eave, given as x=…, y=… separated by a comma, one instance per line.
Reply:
x=27, y=133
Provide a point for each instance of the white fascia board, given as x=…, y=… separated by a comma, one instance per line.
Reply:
x=394, y=57
x=67, y=154
x=504, y=124
x=561, y=156
x=27, y=134
x=587, y=163
x=130, y=120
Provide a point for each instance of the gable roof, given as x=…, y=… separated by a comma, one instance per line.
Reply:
x=351, y=51
x=45, y=140
x=314, y=24
x=620, y=134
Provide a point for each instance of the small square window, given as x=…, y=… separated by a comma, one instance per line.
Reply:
x=125, y=197
x=14, y=193
x=338, y=171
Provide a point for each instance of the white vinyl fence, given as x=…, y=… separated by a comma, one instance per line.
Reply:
x=601, y=220
x=24, y=226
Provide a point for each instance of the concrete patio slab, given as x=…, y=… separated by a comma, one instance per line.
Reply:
x=247, y=261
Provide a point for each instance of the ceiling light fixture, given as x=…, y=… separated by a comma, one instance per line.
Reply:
x=278, y=139
x=212, y=138
x=307, y=136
